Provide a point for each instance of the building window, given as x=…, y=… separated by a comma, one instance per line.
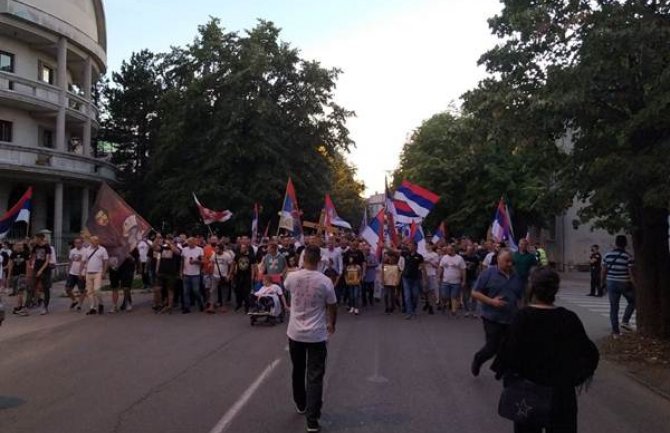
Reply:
x=48, y=138
x=6, y=62
x=5, y=131
x=46, y=73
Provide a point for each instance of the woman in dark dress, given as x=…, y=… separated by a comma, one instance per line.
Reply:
x=547, y=345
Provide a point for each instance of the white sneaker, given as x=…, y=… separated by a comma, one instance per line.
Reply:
x=44, y=312
x=351, y=310
x=356, y=311
x=627, y=327
x=129, y=307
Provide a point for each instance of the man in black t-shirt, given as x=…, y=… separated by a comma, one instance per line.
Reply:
x=353, y=261
x=596, y=260
x=41, y=255
x=169, y=261
x=412, y=274
x=244, y=272
x=16, y=275
x=472, y=266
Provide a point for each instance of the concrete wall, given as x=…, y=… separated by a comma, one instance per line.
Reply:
x=24, y=128
x=78, y=13
x=27, y=60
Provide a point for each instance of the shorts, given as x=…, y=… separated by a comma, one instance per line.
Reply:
x=19, y=283
x=450, y=290
x=118, y=280
x=431, y=285
x=168, y=282
x=73, y=281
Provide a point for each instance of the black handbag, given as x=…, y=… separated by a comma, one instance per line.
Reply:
x=526, y=402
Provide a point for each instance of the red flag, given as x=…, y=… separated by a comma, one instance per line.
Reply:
x=116, y=224
x=210, y=216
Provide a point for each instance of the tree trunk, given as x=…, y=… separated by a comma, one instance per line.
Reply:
x=652, y=271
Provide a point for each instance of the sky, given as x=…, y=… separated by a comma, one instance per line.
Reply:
x=402, y=60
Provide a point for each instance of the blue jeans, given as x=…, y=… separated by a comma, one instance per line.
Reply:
x=354, y=294
x=411, y=289
x=616, y=289
x=191, y=284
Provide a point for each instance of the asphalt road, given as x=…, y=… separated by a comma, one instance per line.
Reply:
x=138, y=372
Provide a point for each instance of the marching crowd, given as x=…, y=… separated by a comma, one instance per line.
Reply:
x=212, y=273
x=209, y=274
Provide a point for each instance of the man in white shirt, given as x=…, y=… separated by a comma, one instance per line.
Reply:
x=312, y=320
x=431, y=289
x=221, y=265
x=192, y=257
x=331, y=253
x=143, y=249
x=76, y=260
x=452, y=272
x=93, y=270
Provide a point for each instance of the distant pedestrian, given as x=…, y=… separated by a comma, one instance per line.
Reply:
x=452, y=278
x=41, y=257
x=500, y=291
x=192, y=257
x=524, y=261
x=595, y=263
x=244, y=273
x=354, y=262
x=312, y=321
x=391, y=275
x=74, y=279
x=546, y=355
x=617, y=273
x=412, y=275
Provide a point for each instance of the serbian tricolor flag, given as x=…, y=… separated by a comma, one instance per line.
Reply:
x=373, y=233
x=289, y=217
x=20, y=212
x=413, y=203
x=391, y=215
x=331, y=217
x=440, y=233
x=254, y=225
x=417, y=236
x=501, y=229
x=210, y=216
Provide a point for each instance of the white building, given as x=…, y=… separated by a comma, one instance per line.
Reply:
x=51, y=54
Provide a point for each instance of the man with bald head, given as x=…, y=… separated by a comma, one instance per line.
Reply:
x=500, y=291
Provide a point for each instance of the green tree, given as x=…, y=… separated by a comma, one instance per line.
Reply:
x=346, y=191
x=131, y=122
x=599, y=72
x=239, y=114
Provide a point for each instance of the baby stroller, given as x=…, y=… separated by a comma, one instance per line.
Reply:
x=266, y=309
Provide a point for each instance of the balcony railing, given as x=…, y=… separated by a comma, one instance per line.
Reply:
x=31, y=159
x=47, y=95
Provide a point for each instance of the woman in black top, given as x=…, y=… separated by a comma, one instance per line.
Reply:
x=548, y=345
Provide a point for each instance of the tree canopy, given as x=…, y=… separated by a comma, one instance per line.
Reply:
x=576, y=105
x=230, y=116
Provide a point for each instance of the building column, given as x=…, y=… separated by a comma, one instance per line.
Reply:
x=88, y=84
x=85, y=209
x=58, y=217
x=39, y=213
x=5, y=191
x=61, y=77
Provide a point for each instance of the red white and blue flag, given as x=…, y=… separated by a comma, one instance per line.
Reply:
x=413, y=202
x=501, y=229
x=373, y=233
x=210, y=216
x=331, y=217
x=440, y=233
x=289, y=216
x=20, y=212
x=417, y=236
x=391, y=217
x=254, y=225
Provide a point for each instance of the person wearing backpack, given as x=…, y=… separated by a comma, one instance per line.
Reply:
x=545, y=356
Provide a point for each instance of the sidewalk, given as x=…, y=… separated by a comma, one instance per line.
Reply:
x=59, y=313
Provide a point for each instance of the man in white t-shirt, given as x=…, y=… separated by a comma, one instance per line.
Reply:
x=192, y=257
x=452, y=277
x=221, y=265
x=93, y=270
x=431, y=289
x=143, y=250
x=76, y=259
x=312, y=320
